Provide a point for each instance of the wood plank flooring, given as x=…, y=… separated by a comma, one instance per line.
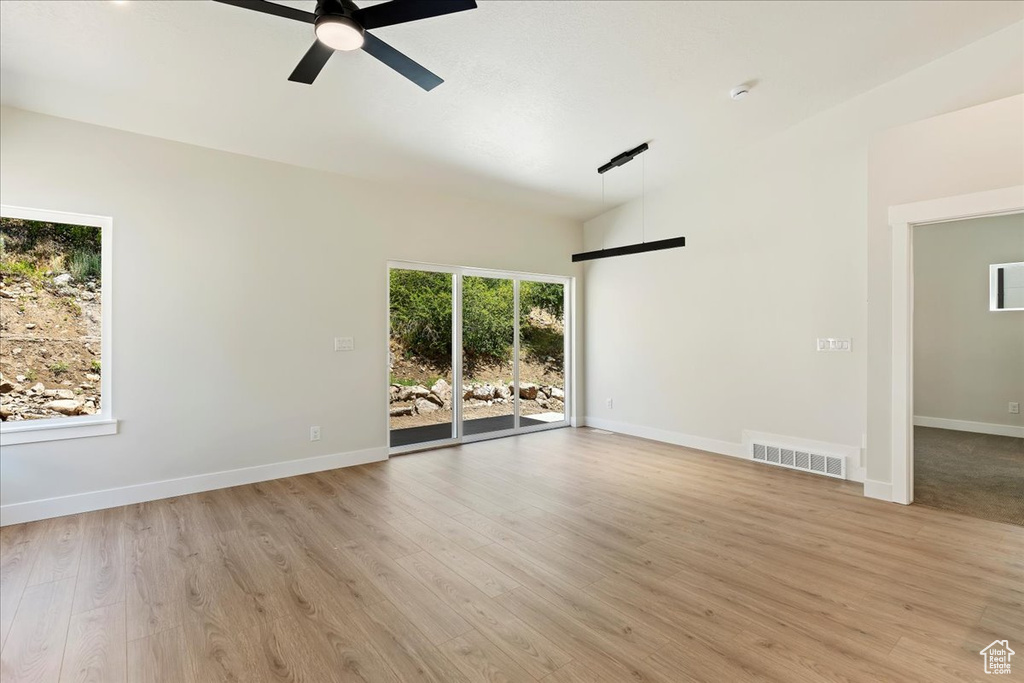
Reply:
x=564, y=556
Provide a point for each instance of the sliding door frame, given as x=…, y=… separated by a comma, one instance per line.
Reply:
x=568, y=366
x=456, y=361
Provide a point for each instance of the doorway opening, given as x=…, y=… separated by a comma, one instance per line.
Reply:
x=906, y=220
x=475, y=354
x=969, y=367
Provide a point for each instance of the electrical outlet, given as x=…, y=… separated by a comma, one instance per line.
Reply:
x=344, y=344
x=609, y=402
x=1014, y=407
x=314, y=433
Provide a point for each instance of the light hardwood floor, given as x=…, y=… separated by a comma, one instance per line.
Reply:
x=565, y=556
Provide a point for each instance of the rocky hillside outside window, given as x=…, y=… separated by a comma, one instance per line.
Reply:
x=52, y=361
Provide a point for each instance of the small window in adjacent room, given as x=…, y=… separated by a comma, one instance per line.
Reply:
x=54, y=326
x=1006, y=287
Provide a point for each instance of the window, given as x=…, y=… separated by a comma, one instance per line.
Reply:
x=1006, y=287
x=54, y=326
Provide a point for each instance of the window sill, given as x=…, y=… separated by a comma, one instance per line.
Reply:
x=14, y=434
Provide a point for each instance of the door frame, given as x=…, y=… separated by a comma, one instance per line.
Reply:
x=457, y=273
x=903, y=218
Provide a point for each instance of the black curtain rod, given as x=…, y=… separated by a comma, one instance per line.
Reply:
x=623, y=158
x=657, y=245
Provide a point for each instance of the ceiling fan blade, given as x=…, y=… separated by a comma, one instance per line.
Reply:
x=401, y=11
x=272, y=8
x=400, y=63
x=311, y=64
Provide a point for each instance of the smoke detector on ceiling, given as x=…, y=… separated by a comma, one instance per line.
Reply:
x=739, y=92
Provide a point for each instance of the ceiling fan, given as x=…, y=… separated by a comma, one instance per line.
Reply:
x=341, y=25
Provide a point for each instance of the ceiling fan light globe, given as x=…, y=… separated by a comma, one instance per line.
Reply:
x=339, y=33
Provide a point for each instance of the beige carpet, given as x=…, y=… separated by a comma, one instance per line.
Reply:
x=975, y=474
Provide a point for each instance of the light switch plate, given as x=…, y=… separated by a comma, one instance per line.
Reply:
x=834, y=344
x=344, y=344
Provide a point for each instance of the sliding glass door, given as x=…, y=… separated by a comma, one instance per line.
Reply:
x=421, y=371
x=475, y=354
x=488, y=355
x=542, y=353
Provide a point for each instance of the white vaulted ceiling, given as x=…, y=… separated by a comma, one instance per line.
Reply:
x=537, y=94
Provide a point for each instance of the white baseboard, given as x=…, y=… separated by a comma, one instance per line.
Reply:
x=854, y=472
x=701, y=443
x=882, y=490
x=33, y=510
x=968, y=426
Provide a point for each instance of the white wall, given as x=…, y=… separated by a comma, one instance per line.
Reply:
x=231, y=277
x=719, y=336
x=698, y=344
x=968, y=360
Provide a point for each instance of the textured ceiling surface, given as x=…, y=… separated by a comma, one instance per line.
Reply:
x=537, y=94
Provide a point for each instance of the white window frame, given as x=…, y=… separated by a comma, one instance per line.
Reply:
x=103, y=422
x=993, y=288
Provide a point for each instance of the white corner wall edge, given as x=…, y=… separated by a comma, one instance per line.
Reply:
x=968, y=426
x=33, y=510
x=882, y=490
x=700, y=443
